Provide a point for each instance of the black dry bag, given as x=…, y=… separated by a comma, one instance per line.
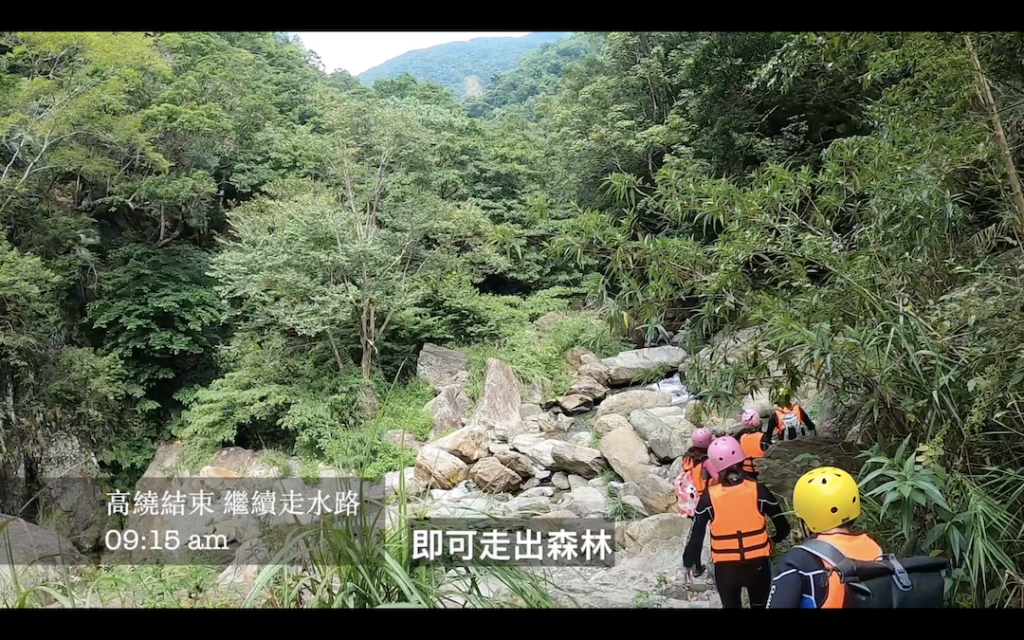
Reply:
x=886, y=583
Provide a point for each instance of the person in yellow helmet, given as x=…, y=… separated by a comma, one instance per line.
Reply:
x=810, y=575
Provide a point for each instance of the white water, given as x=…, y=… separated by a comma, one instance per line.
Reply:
x=675, y=387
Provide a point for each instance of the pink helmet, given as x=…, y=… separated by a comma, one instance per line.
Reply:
x=751, y=418
x=702, y=438
x=723, y=453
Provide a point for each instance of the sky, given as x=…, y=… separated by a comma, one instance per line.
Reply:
x=357, y=51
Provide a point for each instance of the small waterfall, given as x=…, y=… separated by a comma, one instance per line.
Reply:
x=675, y=387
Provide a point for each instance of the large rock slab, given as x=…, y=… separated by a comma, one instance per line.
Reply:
x=439, y=468
x=450, y=409
x=665, y=442
x=537, y=448
x=630, y=365
x=586, y=502
x=608, y=423
x=493, y=477
x=498, y=407
x=582, y=461
x=469, y=444
x=627, y=402
x=660, y=527
x=442, y=367
x=627, y=454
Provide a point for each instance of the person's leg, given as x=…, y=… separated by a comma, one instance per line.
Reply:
x=758, y=581
x=729, y=582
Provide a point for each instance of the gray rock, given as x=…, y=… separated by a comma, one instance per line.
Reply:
x=575, y=482
x=608, y=423
x=586, y=502
x=450, y=409
x=575, y=403
x=441, y=367
x=629, y=365
x=539, y=492
x=666, y=443
x=627, y=454
x=493, y=477
x=527, y=409
x=438, y=467
x=560, y=480
x=525, y=506
x=636, y=504
x=627, y=402
x=469, y=444
x=588, y=388
x=498, y=407
x=582, y=461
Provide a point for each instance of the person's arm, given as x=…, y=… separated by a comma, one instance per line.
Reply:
x=701, y=517
x=766, y=439
x=798, y=572
x=807, y=421
x=768, y=504
x=773, y=424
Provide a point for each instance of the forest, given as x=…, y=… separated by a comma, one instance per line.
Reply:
x=209, y=238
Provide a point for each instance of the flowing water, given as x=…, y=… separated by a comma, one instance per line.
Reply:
x=675, y=387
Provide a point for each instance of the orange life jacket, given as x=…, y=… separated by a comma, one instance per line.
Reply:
x=696, y=474
x=751, y=445
x=780, y=417
x=855, y=547
x=738, y=529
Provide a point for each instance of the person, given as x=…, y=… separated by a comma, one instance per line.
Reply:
x=695, y=457
x=736, y=509
x=753, y=441
x=827, y=501
x=693, y=478
x=789, y=418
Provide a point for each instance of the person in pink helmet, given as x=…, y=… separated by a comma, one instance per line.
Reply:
x=736, y=508
x=754, y=441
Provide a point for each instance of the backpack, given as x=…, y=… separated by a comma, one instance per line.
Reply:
x=686, y=494
x=791, y=419
x=887, y=583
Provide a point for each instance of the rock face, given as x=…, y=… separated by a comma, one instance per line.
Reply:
x=583, y=461
x=627, y=402
x=665, y=442
x=498, y=407
x=493, y=477
x=469, y=444
x=442, y=367
x=627, y=454
x=629, y=365
x=439, y=468
x=450, y=409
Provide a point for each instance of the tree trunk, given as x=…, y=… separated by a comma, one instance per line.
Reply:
x=990, y=104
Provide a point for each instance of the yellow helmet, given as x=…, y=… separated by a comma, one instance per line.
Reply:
x=826, y=498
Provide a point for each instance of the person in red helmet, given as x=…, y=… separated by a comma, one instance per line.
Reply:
x=736, y=509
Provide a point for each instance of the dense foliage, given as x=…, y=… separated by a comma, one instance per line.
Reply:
x=207, y=236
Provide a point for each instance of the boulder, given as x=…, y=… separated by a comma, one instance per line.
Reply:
x=498, y=407
x=527, y=410
x=560, y=480
x=606, y=424
x=586, y=502
x=468, y=443
x=413, y=486
x=597, y=372
x=579, y=357
x=581, y=439
x=537, y=425
x=536, y=448
x=627, y=402
x=657, y=494
x=435, y=466
x=660, y=527
x=636, y=504
x=575, y=481
x=629, y=365
x=665, y=442
x=527, y=506
x=674, y=411
x=493, y=477
x=517, y=462
x=442, y=367
x=582, y=461
x=450, y=409
x=575, y=403
x=588, y=388
x=627, y=454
